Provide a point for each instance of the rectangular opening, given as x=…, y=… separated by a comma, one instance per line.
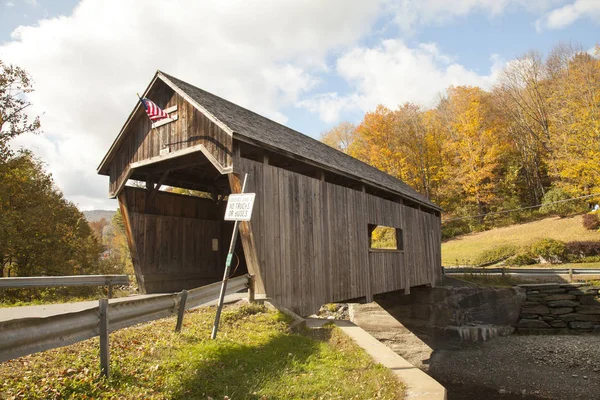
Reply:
x=384, y=238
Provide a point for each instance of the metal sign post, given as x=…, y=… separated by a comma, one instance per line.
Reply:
x=237, y=210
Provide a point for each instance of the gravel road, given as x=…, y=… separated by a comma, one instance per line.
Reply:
x=565, y=367
x=540, y=367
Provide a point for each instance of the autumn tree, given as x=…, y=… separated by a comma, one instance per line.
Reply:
x=523, y=93
x=41, y=233
x=340, y=137
x=575, y=116
x=474, y=148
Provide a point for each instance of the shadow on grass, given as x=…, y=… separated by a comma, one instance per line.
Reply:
x=220, y=368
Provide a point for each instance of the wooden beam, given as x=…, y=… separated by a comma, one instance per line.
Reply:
x=149, y=184
x=180, y=153
x=135, y=260
x=165, y=121
x=248, y=240
x=160, y=182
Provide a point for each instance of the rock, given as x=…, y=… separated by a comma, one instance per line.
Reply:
x=588, y=310
x=562, y=310
x=588, y=317
x=553, y=291
x=589, y=300
x=534, y=316
x=558, y=324
x=568, y=317
x=560, y=297
x=541, y=309
x=534, y=297
x=563, y=303
x=576, y=292
x=581, y=325
x=536, y=286
x=530, y=303
x=532, y=323
x=548, y=318
x=502, y=391
x=572, y=285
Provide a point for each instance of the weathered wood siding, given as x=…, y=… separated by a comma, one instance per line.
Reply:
x=172, y=240
x=312, y=244
x=191, y=128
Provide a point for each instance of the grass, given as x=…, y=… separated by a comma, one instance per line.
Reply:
x=40, y=296
x=463, y=250
x=560, y=266
x=254, y=357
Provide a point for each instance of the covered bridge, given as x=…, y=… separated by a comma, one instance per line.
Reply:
x=309, y=240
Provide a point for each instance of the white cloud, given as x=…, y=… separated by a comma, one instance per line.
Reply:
x=88, y=66
x=567, y=14
x=409, y=14
x=392, y=74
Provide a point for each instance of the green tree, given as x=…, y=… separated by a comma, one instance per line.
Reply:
x=15, y=84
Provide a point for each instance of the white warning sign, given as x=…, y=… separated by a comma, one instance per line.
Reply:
x=239, y=207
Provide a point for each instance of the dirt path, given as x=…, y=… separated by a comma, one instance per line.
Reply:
x=513, y=367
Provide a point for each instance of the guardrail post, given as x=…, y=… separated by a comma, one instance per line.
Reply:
x=503, y=272
x=104, y=347
x=570, y=274
x=181, y=312
x=443, y=271
x=251, y=292
x=110, y=291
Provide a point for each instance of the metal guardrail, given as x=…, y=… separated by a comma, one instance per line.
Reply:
x=20, y=337
x=521, y=271
x=54, y=281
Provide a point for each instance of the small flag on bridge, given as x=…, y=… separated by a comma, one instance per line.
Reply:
x=155, y=113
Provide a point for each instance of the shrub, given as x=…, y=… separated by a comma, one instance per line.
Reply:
x=591, y=221
x=550, y=251
x=496, y=254
x=583, y=248
x=560, y=209
x=521, y=259
x=455, y=228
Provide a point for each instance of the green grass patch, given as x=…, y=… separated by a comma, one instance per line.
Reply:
x=561, y=266
x=19, y=297
x=468, y=249
x=254, y=357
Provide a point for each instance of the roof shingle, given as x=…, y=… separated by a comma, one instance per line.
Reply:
x=255, y=127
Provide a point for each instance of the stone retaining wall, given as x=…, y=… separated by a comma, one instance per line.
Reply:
x=560, y=308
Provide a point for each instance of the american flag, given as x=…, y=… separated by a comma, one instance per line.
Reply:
x=154, y=112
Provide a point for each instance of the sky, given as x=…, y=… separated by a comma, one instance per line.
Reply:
x=308, y=64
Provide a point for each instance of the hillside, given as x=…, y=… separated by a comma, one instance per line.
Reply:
x=97, y=215
x=463, y=248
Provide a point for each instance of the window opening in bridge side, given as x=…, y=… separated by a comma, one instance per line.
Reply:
x=385, y=238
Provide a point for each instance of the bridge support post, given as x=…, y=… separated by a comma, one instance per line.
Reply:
x=181, y=312
x=251, y=288
x=104, y=347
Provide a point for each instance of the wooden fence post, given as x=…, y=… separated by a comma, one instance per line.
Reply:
x=570, y=274
x=251, y=285
x=181, y=310
x=104, y=347
x=110, y=291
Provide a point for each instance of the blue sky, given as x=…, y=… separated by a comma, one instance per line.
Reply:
x=308, y=64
